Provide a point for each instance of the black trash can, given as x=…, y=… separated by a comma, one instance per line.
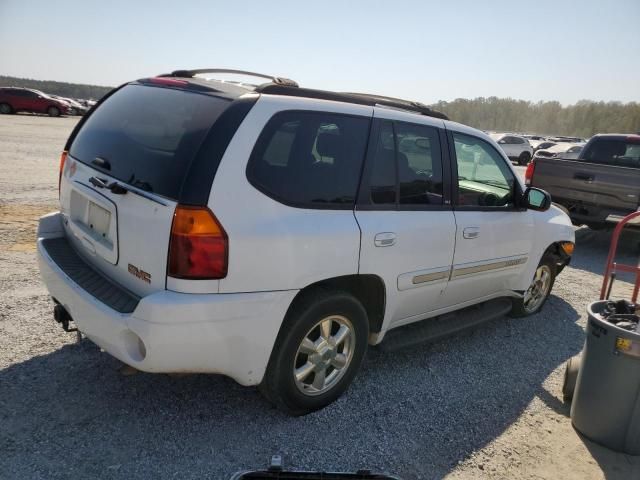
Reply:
x=606, y=401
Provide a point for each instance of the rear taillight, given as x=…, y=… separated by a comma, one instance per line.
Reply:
x=63, y=158
x=199, y=247
x=528, y=174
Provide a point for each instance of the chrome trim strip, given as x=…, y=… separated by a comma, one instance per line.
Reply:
x=462, y=271
x=430, y=277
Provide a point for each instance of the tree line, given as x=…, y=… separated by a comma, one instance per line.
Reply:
x=63, y=89
x=583, y=119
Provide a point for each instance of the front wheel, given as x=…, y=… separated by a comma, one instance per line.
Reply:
x=5, y=108
x=539, y=289
x=318, y=352
x=53, y=111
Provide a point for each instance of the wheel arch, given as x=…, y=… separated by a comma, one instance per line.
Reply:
x=368, y=289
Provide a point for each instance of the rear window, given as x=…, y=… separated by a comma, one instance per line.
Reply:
x=148, y=135
x=310, y=159
x=614, y=152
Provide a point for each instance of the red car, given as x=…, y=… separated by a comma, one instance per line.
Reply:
x=14, y=99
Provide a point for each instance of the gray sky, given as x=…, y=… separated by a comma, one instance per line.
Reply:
x=424, y=50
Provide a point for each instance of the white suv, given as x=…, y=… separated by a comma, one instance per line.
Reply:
x=516, y=147
x=270, y=233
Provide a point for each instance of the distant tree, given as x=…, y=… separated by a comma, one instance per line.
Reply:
x=584, y=119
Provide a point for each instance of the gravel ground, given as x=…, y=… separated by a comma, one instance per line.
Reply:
x=486, y=404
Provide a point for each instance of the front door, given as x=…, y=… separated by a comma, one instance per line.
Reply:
x=494, y=236
x=407, y=226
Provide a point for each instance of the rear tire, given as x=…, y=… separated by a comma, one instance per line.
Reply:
x=318, y=352
x=5, y=108
x=524, y=159
x=53, y=111
x=539, y=290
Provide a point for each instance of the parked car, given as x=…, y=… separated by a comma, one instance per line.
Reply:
x=517, y=148
x=543, y=146
x=560, y=150
x=271, y=233
x=599, y=187
x=15, y=99
x=563, y=139
x=75, y=108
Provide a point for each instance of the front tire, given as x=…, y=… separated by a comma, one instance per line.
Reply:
x=318, y=352
x=539, y=290
x=53, y=111
x=5, y=108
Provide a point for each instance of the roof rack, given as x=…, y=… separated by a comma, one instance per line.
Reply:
x=192, y=73
x=357, y=98
x=401, y=103
x=285, y=86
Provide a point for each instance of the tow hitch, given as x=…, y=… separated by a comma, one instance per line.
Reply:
x=61, y=316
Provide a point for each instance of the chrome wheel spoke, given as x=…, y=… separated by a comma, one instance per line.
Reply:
x=325, y=329
x=341, y=335
x=319, y=378
x=307, y=347
x=303, y=372
x=339, y=361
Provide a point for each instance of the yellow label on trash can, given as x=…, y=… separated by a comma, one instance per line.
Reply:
x=628, y=346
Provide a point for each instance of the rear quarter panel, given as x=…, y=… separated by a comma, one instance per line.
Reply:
x=273, y=246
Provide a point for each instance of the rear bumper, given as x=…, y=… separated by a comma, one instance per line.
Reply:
x=229, y=334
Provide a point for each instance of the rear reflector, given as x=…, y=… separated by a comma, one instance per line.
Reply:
x=199, y=247
x=63, y=159
x=528, y=174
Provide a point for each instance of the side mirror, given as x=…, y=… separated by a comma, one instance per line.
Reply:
x=502, y=142
x=536, y=199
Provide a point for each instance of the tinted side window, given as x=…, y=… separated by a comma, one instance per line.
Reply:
x=310, y=158
x=614, y=152
x=419, y=164
x=484, y=179
x=406, y=166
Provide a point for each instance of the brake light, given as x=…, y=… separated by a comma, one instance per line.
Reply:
x=198, y=247
x=528, y=174
x=63, y=159
x=168, y=81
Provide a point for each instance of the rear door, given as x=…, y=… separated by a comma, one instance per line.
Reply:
x=408, y=228
x=123, y=177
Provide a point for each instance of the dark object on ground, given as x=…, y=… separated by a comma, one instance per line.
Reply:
x=276, y=471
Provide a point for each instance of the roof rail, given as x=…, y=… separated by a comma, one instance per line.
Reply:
x=191, y=73
x=357, y=98
x=401, y=104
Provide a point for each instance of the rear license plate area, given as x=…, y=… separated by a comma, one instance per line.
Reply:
x=98, y=220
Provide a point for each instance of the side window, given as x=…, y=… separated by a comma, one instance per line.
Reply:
x=419, y=164
x=383, y=180
x=406, y=166
x=484, y=179
x=310, y=158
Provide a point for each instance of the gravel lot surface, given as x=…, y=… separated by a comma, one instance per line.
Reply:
x=486, y=404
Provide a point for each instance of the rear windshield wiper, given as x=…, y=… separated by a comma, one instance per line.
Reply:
x=115, y=187
x=121, y=189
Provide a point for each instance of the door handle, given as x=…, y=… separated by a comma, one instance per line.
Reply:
x=384, y=239
x=471, y=232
